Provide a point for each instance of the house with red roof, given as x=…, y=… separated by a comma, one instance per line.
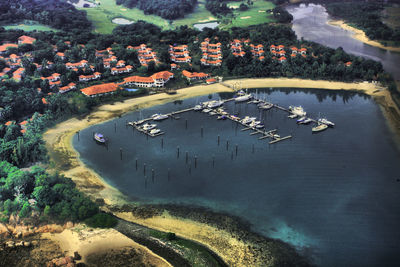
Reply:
x=100, y=89
x=17, y=75
x=4, y=47
x=60, y=55
x=85, y=78
x=25, y=40
x=211, y=81
x=69, y=87
x=156, y=80
x=282, y=59
x=192, y=76
x=303, y=50
x=78, y=65
x=179, y=54
x=348, y=64
x=115, y=71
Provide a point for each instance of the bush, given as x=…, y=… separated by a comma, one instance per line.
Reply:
x=101, y=220
x=171, y=236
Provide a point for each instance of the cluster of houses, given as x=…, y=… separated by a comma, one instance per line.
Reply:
x=145, y=54
x=179, y=54
x=237, y=48
x=279, y=52
x=212, y=54
x=257, y=51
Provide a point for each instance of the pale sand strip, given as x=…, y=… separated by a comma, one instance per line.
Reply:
x=59, y=144
x=87, y=241
x=361, y=36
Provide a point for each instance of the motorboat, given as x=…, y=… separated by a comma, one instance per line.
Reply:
x=206, y=110
x=222, y=117
x=325, y=121
x=254, y=123
x=240, y=93
x=148, y=126
x=154, y=131
x=299, y=111
x=265, y=106
x=99, y=138
x=301, y=119
x=235, y=118
x=292, y=116
x=320, y=127
x=276, y=136
x=212, y=113
x=247, y=120
x=139, y=122
x=243, y=98
x=215, y=103
x=197, y=108
x=159, y=117
x=305, y=121
x=259, y=126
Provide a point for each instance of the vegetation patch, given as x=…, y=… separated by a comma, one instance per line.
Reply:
x=28, y=26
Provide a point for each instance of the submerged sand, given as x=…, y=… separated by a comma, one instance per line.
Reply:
x=361, y=36
x=230, y=248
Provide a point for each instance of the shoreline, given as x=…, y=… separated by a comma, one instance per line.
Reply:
x=361, y=36
x=225, y=244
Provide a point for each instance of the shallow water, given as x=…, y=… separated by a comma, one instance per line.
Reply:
x=333, y=195
x=310, y=23
x=201, y=26
x=122, y=21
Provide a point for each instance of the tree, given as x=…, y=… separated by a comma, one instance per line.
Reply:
x=25, y=211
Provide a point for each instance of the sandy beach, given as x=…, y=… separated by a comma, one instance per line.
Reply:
x=361, y=36
x=89, y=241
x=230, y=248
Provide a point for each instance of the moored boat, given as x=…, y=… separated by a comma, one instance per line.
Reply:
x=99, y=138
x=243, y=98
x=222, y=117
x=154, y=131
x=148, y=126
x=305, y=121
x=325, y=121
x=320, y=127
x=215, y=103
x=265, y=106
x=299, y=111
x=159, y=117
x=197, y=108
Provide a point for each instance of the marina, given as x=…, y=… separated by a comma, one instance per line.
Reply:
x=214, y=108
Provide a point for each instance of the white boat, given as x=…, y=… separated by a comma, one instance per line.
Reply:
x=265, y=106
x=155, y=131
x=243, y=98
x=222, y=117
x=159, y=117
x=215, y=103
x=301, y=119
x=292, y=116
x=320, y=127
x=206, y=110
x=276, y=136
x=138, y=122
x=254, y=123
x=306, y=121
x=240, y=93
x=248, y=120
x=325, y=121
x=299, y=111
x=148, y=126
x=235, y=118
x=212, y=113
x=260, y=126
x=197, y=108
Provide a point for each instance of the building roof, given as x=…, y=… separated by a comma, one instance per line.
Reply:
x=26, y=39
x=4, y=47
x=138, y=79
x=100, y=89
x=165, y=75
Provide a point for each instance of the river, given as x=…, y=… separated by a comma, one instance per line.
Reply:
x=333, y=195
x=310, y=23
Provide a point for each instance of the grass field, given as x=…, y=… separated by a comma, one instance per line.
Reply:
x=254, y=15
x=29, y=26
x=107, y=10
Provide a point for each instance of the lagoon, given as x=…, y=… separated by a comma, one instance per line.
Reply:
x=333, y=195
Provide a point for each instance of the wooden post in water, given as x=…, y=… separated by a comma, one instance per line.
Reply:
x=145, y=182
x=195, y=161
x=136, y=164
x=218, y=139
x=120, y=153
x=152, y=175
x=187, y=156
x=177, y=152
x=236, y=149
x=201, y=131
x=115, y=127
x=227, y=145
x=213, y=158
x=186, y=124
x=232, y=156
x=144, y=169
x=162, y=142
x=78, y=134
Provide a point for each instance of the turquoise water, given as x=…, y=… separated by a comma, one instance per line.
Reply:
x=333, y=195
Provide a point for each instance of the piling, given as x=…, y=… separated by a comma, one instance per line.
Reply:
x=120, y=153
x=201, y=131
x=177, y=152
x=187, y=157
x=236, y=149
x=162, y=142
x=115, y=127
x=195, y=161
x=232, y=155
x=213, y=159
x=227, y=145
x=186, y=123
x=78, y=134
x=218, y=139
x=144, y=169
x=152, y=176
x=190, y=169
x=136, y=164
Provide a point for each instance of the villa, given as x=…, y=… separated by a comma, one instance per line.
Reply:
x=100, y=89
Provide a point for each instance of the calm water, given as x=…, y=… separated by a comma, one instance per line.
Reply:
x=333, y=195
x=211, y=25
x=310, y=23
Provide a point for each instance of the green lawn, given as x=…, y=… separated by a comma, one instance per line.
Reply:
x=29, y=26
x=254, y=15
x=107, y=10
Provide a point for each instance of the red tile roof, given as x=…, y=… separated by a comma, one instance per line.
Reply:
x=4, y=47
x=100, y=89
x=26, y=39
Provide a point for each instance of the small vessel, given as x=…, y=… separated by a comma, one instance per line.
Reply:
x=212, y=113
x=197, y=108
x=148, y=126
x=139, y=122
x=247, y=120
x=260, y=126
x=240, y=93
x=276, y=136
x=299, y=111
x=325, y=121
x=243, y=98
x=215, y=103
x=159, y=117
x=265, y=106
x=99, y=138
x=254, y=123
x=301, y=119
x=320, y=127
x=154, y=131
x=222, y=117
x=206, y=110
x=235, y=118
x=305, y=121
x=292, y=116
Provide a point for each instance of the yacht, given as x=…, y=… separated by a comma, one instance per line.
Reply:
x=325, y=121
x=222, y=117
x=154, y=131
x=292, y=116
x=301, y=119
x=240, y=93
x=206, y=110
x=305, y=121
x=243, y=98
x=212, y=113
x=320, y=127
x=299, y=111
x=248, y=120
x=197, y=108
x=215, y=103
x=235, y=118
x=159, y=117
x=148, y=126
x=265, y=106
